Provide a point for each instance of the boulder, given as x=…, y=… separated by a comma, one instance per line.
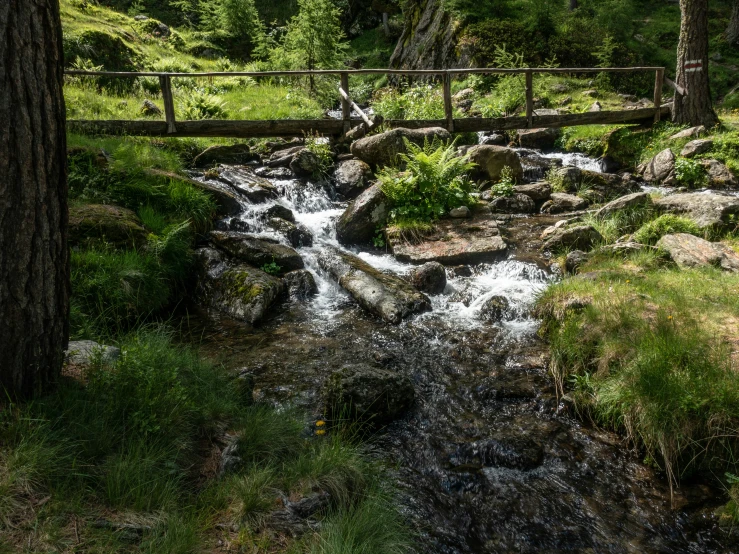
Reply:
x=95, y=223
x=463, y=95
x=538, y=192
x=283, y=157
x=351, y=177
x=595, y=107
x=514, y=204
x=240, y=291
x=283, y=173
x=278, y=210
x=257, y=251
x=150, y=109
x=690, y=251
x=538, y=138
x=599, y=187
x=359, y=223
x=661, y=167
x=561, y=202
x=296, y=233
x=300, y=284
x=696, y=147
x=429, y=278
x=236, y=154
x=706, y=209
x=463, y=212
x=494, y=309
x=575, y=260
x=452, y=242
x=630, y=201
x=227, y=199
x=689, y=133
x=386, y=296
x=493, y=138
x=581, y=237
x=86, y=352
x=383, y=149
x=305, y=163
x=371, y=395
x=248, y=184
x=719, y=176
x=491, y=160
x=590, y=93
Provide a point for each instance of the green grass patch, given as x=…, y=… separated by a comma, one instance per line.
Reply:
x=666, y=224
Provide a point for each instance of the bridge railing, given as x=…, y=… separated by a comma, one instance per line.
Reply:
x=287, y=127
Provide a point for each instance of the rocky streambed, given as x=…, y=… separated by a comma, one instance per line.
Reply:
x=486, y=457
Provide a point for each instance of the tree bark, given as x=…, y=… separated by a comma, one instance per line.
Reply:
x=695, y=108
x=732, y=32
x=34, y=260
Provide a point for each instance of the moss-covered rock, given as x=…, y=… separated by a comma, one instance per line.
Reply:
x=101, y=48
x=97, y=223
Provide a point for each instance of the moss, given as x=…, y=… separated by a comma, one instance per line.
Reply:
x=96, y=223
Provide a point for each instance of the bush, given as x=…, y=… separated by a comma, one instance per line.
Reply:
x=689, y=173
x=198, y=105
x=434, y=181
x=504, y=187
x=666, y=224
x=420, y=101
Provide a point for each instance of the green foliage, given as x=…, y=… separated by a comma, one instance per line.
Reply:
x=619, y=223
x=199, y=105
x=272, y=268
x=322, y=149
x=689, y=173
x=434, y=181
x=420, y=101
x=666, y=224
x=504, y=187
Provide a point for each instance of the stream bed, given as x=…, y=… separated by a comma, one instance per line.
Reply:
x=488, y=460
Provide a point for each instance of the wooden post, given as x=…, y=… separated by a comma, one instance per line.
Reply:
x=529, y=98
x=448, y=109
x=166, y=84
x=345, y=106
x=658, y=81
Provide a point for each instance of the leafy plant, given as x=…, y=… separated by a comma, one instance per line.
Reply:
x=198, y=105
x=434, y=181
x=666, y=224
x=272, y=268
x=504, y=187
x=379, y=239
x=421, y=101
x=319, y=146
x=689, y=173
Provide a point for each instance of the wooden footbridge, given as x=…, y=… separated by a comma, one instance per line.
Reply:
x=171, y=127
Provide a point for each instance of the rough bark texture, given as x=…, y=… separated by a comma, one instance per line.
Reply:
x=696, y=107
x=34, y=266
x=732, y=32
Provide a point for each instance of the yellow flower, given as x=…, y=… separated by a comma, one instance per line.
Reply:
x=320, y=431
x=628, y=280
x=669, y=317
x=320, y=423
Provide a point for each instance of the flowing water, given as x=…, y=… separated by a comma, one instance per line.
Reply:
x=488, y=460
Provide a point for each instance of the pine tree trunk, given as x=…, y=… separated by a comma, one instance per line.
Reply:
x=695, y=108
x=34, y=260
x=732, y=32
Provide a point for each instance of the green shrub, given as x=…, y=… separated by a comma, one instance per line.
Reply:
x=689, y=173
x=666, y=224
x=198, y=105
x=322, y=149
x=420, y=101
x=434, y=181
x=504, y=187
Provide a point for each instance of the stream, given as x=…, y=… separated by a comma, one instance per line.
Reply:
x=488, y=460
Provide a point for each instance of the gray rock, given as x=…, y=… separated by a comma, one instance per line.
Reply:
x=696, y=147
x=300, y=284
x=581, y=237
x=462, y=212
x=140, y=18
x=706, y=209
x=690, y=251
x=463, y=95
x=514, y=204
x=281, y=212
x=297, y=234
x=660, y=167
x=149, y=108
x=494, y=139
x=305, y=164
x=538, y=192
x=283, y=157
x=235, y=154
x=628, y=97
x=351, y=177
x=383, y=149
x=538, y=138
x=371, y=395
x=590, y=93
x=94, y=224
x=429, y=278
x=274, y=172
x=629, y=201
x=248, y=184
x=575, y=260
x=257, y=251
x=689, y=133
x=561, y=202
x=719, y=176
x=595, y=107
x=491, y=160
x=86, y=352
x=386, y=296
x=240, y=291
x=494, y=309
x=559, y=88
x=359, y=223
x=231, y=460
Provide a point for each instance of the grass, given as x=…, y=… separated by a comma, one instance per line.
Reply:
x=650, y=356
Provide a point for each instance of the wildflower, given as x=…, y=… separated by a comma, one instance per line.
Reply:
x=320, y=423
x=669, y=318
x=628, y=280
x=320, y=432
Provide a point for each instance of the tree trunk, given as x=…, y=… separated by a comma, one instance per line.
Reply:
x=692, y=67
x=573, y=5
x=386, y=24
x=732, y=32
x=34, y=260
